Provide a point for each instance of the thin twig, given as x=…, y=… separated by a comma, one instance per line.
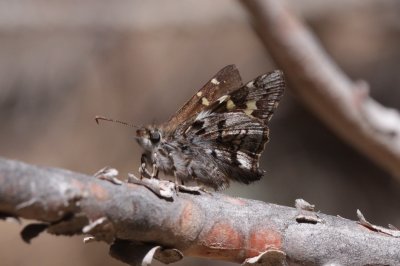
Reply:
x=343, y=105
x=133, y=219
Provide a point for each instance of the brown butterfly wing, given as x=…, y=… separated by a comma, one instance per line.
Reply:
x=225, y=81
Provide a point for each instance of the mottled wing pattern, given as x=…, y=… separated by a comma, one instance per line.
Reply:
x=225, y=81
x=259, y=98
x=233, y=130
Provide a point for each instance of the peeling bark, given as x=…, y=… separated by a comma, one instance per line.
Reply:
x=209, y=225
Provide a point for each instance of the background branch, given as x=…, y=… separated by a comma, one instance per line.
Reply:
x=343, y=105
x=209, y=225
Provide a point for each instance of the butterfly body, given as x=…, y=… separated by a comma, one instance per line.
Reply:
x=219, y=134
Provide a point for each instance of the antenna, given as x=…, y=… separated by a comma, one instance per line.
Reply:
x=98, y=118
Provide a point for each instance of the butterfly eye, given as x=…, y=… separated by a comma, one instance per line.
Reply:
x=155, y=136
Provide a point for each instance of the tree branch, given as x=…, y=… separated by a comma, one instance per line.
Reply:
x=133, y=219
x=341, y=104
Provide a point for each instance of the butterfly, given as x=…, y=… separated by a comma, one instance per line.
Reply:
x=218, y=135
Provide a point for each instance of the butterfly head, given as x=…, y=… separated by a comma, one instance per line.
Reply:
x=148, y=138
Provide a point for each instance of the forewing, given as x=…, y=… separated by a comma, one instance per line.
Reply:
x=233, y=130
x=225, y=81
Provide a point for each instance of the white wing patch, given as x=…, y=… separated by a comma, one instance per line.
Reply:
x=202, y=115
x=230, y=105
x=250, y=107
x=244, y=160
x=215, y=81
x=223, y=98
x=204, y=101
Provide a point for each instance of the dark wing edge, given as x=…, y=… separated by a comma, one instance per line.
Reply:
x=226, y=80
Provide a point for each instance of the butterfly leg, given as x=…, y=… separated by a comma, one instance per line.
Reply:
x=178, y=185
x=143, y=167
x=144, y=172
x=154, y=173
x=202, y=188
x=186, y=189
x=176, y=181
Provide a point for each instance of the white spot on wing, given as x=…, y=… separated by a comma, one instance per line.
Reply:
x=244, y=161
x=209, y=151
x=202, y=115
x=222, y=98
x=205, y=101
x=199, y=93
x=250, y=84
x=250, y=107
x=215, y=81
x=230, y=105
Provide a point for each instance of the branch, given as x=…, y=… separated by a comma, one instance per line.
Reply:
x=134, y=220
x=342, y=105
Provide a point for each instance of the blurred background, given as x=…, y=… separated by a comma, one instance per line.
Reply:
x=63, y=62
